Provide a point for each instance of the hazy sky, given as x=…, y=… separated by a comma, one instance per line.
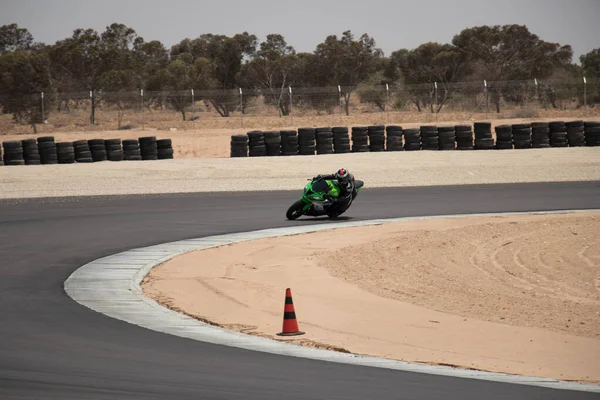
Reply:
x=394, y=24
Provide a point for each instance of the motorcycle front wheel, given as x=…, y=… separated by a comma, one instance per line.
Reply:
x=295, y=210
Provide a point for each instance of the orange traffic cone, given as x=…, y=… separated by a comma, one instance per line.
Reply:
x=290, y=324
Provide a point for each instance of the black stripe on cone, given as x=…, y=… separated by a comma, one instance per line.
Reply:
x=290, y=324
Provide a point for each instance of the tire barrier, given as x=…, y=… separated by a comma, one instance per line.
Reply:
x=412, y=139
x=324, y=140
x=592, y=133
x=31, y=152
x=521, y=136
x=558, y=134
x=575, y=133
x=393, y=140
x=447, y=137
x=272, y=143
x=98, y=149
x=540, y=135
x=239, y=146
x=83, y=154
x=256, y=144
x=114, y=149
x=306, y=141
x=483, y=136
x=504, y=137
x=360, y=139
x=289, y=143
x=13, y=152
x=132, y=151
x=65, y=152
x=464, y=137
x=341, y=140
x=378, y=138
x=429, y=137
x=164, y=149
x=148, y=148
x=45, y=150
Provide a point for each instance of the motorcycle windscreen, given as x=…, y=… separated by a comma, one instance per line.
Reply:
x=320, y=186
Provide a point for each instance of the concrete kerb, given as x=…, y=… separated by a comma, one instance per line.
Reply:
x=111, y=286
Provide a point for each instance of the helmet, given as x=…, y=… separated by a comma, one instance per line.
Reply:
x=342, y=175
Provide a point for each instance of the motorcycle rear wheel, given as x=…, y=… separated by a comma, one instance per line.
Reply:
x=295, y=210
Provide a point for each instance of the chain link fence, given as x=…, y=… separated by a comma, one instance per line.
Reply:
x=298, y=106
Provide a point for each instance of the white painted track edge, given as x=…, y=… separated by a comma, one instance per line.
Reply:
x=123, y=299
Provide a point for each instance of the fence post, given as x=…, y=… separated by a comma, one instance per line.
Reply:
x=142, y=106
x=93, y=114
x=291, y=103
x=487, y=103
x=387, y=103
x=241, y=107
x=340, y=98
x=436, y=101
x=585, y=96
x=43, y=111
x=193, y=101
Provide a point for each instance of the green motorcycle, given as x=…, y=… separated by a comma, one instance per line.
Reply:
x=322, y=197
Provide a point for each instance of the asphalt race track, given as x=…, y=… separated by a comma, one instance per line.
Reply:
x=53, y=348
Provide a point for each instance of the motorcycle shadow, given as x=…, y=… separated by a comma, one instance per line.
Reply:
x=323, y=219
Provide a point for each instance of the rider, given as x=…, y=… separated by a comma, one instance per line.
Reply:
x=345, y=179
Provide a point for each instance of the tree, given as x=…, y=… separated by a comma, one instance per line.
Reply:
x=511, y=52
x=13, y=38
x=23, y=76
x=272, y=70
x=226, y=55
x=345, y=62
x=590, y=64
x=428, y=64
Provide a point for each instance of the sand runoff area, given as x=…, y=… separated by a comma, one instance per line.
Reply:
x=515, y=294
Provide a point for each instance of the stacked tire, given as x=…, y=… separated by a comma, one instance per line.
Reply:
x=272, y=143
x=289, y=143
x=360, y=139
x=164, y=148
x=540, y=135
x=31, y=152
x=483, y=136
x=324, y=138
x=592, y=134
x=521, y=136
x=83, y=153
x=504, y=137
x=1, y=157
x=132, y=151
x=412, y=139
x=306, y=141
x=13, y=152
x=98, y=149
x=148, y=148
x=558, y=134
x=575, y=133
x=393, y=139
x=114, y=149
x=376, y=138
x=341, y=140
x=65, y=152
x=429, y=137
x=446, y=138
x=239, y=146
x=47, y=149
x=464, y=137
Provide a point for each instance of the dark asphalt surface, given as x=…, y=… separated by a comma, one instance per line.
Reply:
x=53, y=348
